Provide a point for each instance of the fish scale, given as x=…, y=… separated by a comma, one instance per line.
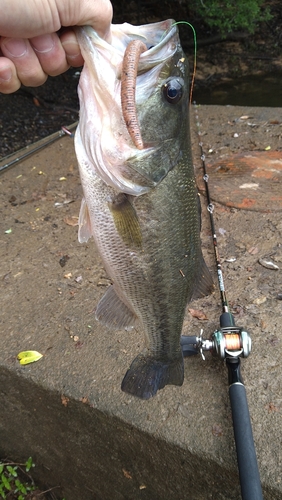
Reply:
x=146, y=223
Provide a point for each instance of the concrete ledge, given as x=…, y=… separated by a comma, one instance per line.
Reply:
x=92, y=454
x=67, y=410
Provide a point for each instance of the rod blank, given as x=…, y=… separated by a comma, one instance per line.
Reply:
x=246, y=454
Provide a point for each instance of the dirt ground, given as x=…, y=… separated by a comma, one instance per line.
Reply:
x=50, y=285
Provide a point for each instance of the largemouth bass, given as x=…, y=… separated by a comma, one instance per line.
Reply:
x=140, y=199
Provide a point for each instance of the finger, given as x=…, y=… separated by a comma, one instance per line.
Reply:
x=50, y=53
x=95, y=13
x=27, y=65
x=101, y=20
x=9, y=81
x=71, y=47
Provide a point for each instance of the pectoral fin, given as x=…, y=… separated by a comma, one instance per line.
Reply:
x=84, y=224
x=113, y=313
x=126, y=221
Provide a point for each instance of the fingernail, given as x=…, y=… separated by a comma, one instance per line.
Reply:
x=5, y=75
x=43, y=43
x=17, y=47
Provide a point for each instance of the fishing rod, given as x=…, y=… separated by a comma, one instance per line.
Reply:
x=230, y=343
x=22, y=154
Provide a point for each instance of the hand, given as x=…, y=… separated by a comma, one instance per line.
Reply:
x=30, y=48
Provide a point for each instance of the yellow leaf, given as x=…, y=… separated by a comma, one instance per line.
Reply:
x=26, y=357
x=267, y=148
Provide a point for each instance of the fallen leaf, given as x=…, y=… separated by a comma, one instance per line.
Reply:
x=126, y=474
x=71, y=221
x=84, y=400
x=271, y=407
x=36, y=102
x=197, y=314
x=253, y=250
x=64, y=400
x=26, y=357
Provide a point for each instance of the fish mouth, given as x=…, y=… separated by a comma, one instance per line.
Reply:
x=131, y=59
x=111, y=133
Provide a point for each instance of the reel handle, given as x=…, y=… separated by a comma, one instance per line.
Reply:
x=245, y=448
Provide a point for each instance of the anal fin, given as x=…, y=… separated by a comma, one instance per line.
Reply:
x=112, y=312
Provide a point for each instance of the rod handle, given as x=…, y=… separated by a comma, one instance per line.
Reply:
x=246, y=454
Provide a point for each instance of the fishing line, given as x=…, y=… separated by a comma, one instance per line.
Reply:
x=195, y=53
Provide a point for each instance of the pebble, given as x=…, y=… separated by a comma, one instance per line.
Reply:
x=259, y=300
x=231, y=259
x=268, y=264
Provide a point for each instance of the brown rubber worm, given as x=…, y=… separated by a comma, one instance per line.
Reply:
x=128, y=85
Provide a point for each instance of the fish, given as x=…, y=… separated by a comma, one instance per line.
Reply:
x=140, y=200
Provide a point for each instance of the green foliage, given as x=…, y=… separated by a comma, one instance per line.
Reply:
x=231, y=15
x=11, y=483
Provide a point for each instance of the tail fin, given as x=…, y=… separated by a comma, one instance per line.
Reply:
x=147, y=375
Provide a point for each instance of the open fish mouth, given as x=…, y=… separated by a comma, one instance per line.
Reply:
x=120, y=78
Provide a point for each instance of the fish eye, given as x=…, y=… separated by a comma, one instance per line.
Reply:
x=172, y=90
